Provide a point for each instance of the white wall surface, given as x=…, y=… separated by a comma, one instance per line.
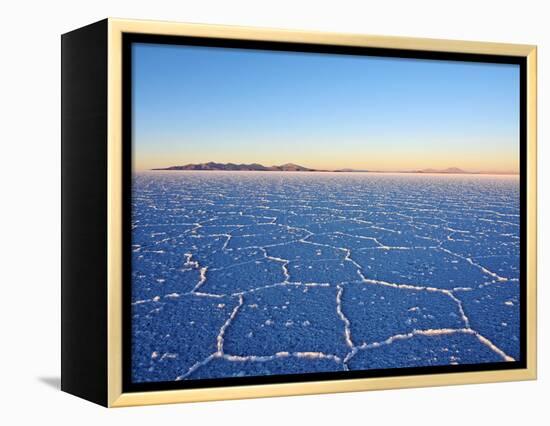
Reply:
x=30, y=211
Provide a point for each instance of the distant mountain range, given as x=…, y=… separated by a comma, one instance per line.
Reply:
x=291, y=167
x=450, y=170
x=254, y=167
x=456, y=170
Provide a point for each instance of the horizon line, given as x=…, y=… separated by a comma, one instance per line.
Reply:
x=338, y=171
x=424, y=170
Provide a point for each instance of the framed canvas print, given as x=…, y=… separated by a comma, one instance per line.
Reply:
x=250, y=212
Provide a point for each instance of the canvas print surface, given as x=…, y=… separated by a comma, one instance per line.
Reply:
x=297, y=213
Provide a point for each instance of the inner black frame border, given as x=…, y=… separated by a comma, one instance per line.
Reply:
x=129, y=38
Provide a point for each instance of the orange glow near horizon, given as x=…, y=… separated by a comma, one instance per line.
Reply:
x=362, y=159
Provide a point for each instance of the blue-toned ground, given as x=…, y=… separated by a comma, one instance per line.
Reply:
x=258, y=273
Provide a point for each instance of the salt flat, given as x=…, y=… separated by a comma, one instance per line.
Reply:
x=257, y=273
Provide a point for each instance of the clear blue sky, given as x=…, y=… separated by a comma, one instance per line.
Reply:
x=199, y=104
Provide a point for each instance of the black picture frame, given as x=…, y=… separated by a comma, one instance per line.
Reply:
x=96, y=180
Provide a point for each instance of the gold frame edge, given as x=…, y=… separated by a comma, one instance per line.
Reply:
x=114, y=214
x=116, y=398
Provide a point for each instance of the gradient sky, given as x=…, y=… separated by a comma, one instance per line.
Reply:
x=200, y=104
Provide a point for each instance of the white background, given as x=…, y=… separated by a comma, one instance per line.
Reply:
x=30, y=211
